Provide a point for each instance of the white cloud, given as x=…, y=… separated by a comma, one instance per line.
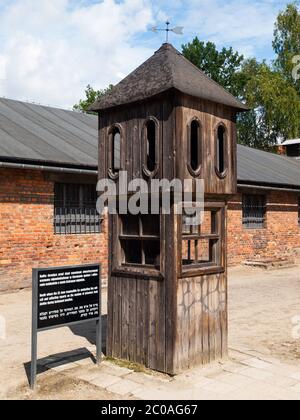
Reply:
x=52, y=51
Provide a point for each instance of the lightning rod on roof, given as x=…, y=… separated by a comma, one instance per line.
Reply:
x=178, y=30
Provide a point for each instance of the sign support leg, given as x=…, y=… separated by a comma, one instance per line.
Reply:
x=33, y=368
x=99, y=341
x=99, y=324
x=33, y=361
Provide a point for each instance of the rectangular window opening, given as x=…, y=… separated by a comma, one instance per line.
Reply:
x=254, y=211
x=140, y=240
x=202, y=244
x=75, y=209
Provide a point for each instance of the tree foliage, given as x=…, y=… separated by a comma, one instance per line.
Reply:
x=286, y=42
x=269, y=90
x=222, y=66
x=91, y=96
x=275, y=107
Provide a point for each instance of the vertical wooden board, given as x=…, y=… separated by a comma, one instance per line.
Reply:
x=115, y=318
x=224, y=315
x=136, y=150
x=161, y=327
x=125, y=318
x=205, y=320
x=153, y=324
x=178, y=357
x=110, y=319
x=157, y=350
x=198, y=322
x=139, y=324
x=145, y=343
x=186, y=291
x=118, y=319
x=191, y=326
x=131, y=134
x=132, y=319
x=218, y=303
x=180, y=143
x=212, y=318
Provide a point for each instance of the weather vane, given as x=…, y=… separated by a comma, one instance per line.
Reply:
x=178, y=30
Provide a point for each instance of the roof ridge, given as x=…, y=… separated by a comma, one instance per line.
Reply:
x=3, y=98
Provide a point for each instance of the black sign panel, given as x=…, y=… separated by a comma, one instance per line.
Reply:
x=67, y=295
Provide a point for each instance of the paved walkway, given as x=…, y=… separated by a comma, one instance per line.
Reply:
x=242, y=377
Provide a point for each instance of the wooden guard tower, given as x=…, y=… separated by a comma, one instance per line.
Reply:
x=167, y=288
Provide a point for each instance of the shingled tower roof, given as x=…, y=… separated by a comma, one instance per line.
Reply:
x=166, y=69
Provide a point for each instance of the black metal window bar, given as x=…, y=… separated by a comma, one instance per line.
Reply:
x=75, y=209
x=254, y=211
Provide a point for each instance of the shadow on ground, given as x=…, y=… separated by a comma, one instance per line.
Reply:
x=85, y=330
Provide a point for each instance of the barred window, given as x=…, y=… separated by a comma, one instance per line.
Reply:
x=75, y=209
x=254, y=211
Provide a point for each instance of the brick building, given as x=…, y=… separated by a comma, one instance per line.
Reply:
x=48, y=172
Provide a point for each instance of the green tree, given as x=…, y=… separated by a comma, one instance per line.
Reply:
x=275, y=106
x=91, y=96
x=286, y=42
x=269, y=90
x=222, y=66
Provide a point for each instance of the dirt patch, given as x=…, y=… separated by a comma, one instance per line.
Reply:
x=289, y=352
x=54, y=386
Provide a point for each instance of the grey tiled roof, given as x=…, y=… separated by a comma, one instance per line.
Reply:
x=165, y=70
x=44, y=134
x=256, y=166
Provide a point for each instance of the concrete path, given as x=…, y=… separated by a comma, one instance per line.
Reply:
x=242, y=377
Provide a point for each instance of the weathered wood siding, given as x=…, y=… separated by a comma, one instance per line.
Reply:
x=137, y=316
x=209, y=115
x=201, y=330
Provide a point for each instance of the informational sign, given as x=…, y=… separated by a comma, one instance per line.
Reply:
x=67, y=295
x=64, y=296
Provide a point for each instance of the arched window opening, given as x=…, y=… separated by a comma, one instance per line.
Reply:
x=116, y=150
x=151, y=146
x=221, y=149
x=195, y=147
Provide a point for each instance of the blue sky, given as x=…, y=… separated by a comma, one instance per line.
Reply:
x=51, y=49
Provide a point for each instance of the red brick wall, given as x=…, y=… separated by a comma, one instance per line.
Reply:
x=279, y=237
x=27, y=238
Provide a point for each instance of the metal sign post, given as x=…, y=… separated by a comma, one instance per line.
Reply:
x=61, y=297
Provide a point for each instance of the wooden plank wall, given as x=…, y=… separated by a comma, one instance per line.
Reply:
x=137, y=321
x=201, y=331
x=209, y=115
